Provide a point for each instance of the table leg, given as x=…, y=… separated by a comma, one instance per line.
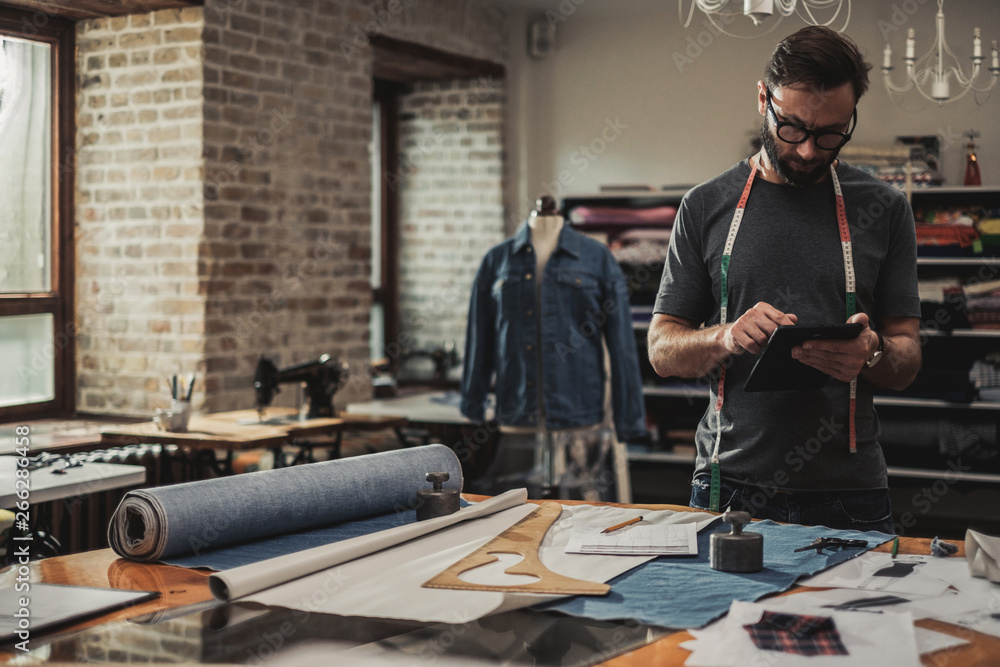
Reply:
x=278, y=454
x=207, y=458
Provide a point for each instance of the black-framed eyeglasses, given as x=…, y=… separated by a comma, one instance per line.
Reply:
x=794, y=133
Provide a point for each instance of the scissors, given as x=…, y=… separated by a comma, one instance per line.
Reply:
x=833, y=543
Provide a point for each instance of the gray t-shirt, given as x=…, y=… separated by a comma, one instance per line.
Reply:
x=788, y=254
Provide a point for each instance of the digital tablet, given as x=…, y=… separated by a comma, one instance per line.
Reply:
x=776, y=370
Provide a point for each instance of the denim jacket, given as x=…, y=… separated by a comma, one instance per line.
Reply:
x=584, y=303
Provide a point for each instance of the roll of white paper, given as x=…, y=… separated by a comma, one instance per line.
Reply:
x=248, y=579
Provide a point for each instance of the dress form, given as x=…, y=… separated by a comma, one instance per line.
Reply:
x=545, y=223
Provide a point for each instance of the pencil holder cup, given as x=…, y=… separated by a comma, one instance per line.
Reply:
x=180, y=414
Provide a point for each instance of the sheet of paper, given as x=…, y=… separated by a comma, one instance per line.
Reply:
x=636, y=540
x=879, y=571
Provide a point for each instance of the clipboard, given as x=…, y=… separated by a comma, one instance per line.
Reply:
x=776, y=370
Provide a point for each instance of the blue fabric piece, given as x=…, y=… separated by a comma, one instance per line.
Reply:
x=584, y=304
x=245, y=553
x=688, y=593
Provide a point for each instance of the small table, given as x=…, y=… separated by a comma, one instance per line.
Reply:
x=46, y=484
x=241, y=430
x=437, y=416
x=436, y=407
x=51, y=483
x=307, y=434
x=59, y=436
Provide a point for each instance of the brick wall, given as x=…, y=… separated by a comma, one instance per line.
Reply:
x=451, y=209
x=286, y=256
x=286, y=260
x=224, y=189
x=138, y=207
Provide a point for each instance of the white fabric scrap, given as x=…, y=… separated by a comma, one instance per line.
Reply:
x=982, y=552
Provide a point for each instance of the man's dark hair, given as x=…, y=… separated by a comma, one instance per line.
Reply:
x=818, y=56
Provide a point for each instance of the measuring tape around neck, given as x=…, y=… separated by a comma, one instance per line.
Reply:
x=850, y=282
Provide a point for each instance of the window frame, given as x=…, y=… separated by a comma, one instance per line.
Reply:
x=60, y=35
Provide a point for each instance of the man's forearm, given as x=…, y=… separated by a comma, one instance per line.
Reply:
x=681, y=351
x=900, y=363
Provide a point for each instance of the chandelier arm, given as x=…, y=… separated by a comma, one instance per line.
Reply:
x=821, y=4
x=988, y=87
x=706, y=6
x=920, y=76
x=892, y=87
x=712, y=6
x=960, y=77
x=808, y=17
x=680, y=12
x=786, y=7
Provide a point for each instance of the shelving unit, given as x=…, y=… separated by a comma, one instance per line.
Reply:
x=661, y=473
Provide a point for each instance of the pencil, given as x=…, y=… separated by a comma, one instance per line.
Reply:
x=622, y=524
x=895, y=546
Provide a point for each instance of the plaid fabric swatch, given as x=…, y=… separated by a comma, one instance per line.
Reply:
x=795, y=633
x=984, y=374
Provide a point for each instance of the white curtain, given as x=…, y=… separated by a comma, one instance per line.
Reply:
x=25, y=167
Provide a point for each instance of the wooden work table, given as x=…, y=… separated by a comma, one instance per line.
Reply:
x=179, y=587
x=242, y=430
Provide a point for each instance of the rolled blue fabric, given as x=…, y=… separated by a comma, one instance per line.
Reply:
x=152, y=524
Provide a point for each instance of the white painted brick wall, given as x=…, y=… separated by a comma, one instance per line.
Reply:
x=451, y=204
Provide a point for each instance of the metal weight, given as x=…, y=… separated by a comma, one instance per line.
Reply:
x=438, y=501
x=737, y=551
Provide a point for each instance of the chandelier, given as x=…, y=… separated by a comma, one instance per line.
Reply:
x=720, y=13
x=931, y=74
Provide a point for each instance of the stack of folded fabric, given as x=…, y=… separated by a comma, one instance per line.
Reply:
x=985, y=377
x=983, y=303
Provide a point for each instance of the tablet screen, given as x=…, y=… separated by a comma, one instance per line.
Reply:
x=776, y=370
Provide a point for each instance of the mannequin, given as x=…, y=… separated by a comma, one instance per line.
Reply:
x=559, y=268
x=545, y=223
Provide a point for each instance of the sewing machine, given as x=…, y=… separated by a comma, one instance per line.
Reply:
x=322, y=378
x=444, y=359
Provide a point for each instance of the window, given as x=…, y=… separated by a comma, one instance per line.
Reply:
x=37, y=330
x=395, y=65
x=385, y=223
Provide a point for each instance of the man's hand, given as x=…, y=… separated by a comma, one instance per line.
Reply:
x=843, y=359
x=752, y=330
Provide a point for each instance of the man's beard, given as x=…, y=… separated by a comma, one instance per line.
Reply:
x=791, y=174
